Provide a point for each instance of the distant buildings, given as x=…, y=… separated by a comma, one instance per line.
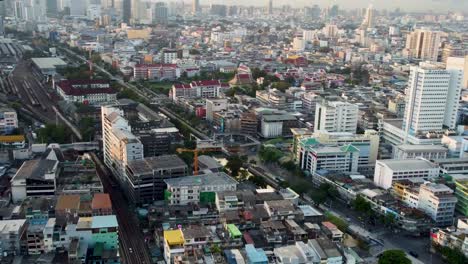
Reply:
x=157, y=72
x=199, y=89
x=423, y=44
x=86, y=91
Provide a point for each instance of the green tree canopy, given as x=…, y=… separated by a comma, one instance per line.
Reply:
x=394, y=256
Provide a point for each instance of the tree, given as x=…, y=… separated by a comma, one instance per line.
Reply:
x=87, y=127
x=234, y=164
x=451, y=255
x=340, y=223
x=259, y=181
x=394, y=256
x=52, y=133
x=362, y=205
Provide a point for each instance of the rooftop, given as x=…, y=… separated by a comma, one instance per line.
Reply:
x=174, y=237
x=150, y=164
x=35, y=169
x=104, y=221
x=417, y=148
x=101, y=201
x=8, y=226
x=218, y=178
x=68, y=202
x=48, y=63
x=410, y=165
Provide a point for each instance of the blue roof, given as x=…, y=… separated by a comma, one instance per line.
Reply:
x=255, y=255
x=104, y=221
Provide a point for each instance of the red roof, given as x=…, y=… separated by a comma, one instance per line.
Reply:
x=182, y=86
x=101, y=201
x=67, y=86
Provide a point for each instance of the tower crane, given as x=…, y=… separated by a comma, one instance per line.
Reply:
x=195, y=155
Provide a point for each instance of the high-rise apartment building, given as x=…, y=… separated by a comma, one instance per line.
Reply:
x=120, y=146
x=423, y=44
x=432, y=97
x=336, y=117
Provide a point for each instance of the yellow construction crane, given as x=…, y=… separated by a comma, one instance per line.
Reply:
x=195, y=155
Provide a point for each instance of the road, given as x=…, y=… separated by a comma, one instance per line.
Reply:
x=133, y=249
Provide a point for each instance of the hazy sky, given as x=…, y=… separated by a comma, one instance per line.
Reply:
x=423, y=5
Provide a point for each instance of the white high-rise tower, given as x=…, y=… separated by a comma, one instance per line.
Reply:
x=432, y=95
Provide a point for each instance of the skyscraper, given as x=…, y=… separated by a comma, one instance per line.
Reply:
x=136, y=16
x=423, y=44
x=51, y=7
x=127, y=10
x=160, y=13
x=432, y=97
x=270, y=7
x=369, y=18
x=195, y=7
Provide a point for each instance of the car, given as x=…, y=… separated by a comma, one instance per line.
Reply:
x=414, y=254
x=130, y=250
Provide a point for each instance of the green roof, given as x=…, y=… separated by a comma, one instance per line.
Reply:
x=349, y=148
x=309, y=141
x=233, y=231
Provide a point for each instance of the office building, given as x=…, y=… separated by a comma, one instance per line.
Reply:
x=145, y=182
x=423, y=44
x=198, y=188
x=336, y=117
x=120, y=146
x=432, y=97
x=438, y=201
x=389, y=171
